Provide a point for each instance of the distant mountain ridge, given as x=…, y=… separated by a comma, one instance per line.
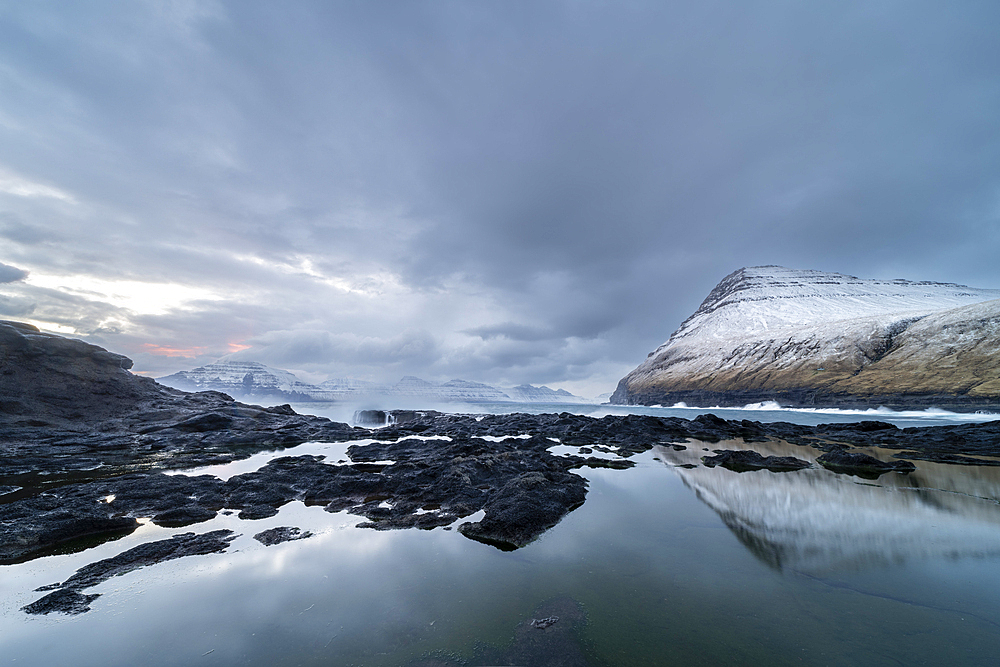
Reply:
x=815, y=339
x=251, y=380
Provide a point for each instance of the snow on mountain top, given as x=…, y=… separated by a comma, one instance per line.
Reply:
x=814, y=337
x=252, y=379
x=759, y=299
x=240, y=377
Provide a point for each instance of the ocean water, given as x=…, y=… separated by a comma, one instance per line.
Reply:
x=762, y=412
x=668, y=565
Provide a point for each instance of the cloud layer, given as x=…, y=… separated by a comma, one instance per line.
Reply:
x=509, y=192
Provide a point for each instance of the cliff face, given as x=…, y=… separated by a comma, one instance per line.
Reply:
x=807, y=338
x=47, y=376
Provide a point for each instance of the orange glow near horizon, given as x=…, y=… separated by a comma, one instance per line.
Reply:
x=237, y=347
x=164, y=351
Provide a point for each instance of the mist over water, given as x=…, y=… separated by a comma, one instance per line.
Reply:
x=762, y=412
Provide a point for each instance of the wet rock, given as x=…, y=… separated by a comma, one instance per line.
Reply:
x=524, y=508
x=744, y=460
x=27, y=533
x=183, y=516
x=67, y=598
x=861, y=465
x=281, y=534
x=255, y=512
x=63, y=601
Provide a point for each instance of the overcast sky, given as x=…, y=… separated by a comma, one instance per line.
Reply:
x=503, y=192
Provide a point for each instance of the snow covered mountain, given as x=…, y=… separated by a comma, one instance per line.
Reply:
x=253, y=381
x=527, y=393
x=245, y=380
x=808, y=338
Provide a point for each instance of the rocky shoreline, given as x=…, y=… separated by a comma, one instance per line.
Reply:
x=86, y=448
x=458, y=465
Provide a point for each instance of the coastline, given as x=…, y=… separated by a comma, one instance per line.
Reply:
x=805, y=397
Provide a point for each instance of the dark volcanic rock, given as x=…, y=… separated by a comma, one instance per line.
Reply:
x=743, y=460
x=280, y=534
x=183, y=516
x=861, y=465
x=64, y=601
x=64, y=398
x=25, y=533
x=66, y=598
x=524, y=508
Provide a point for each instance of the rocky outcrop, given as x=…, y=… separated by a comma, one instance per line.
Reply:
x=273, y=536
x=813, y=339
x=52, y=379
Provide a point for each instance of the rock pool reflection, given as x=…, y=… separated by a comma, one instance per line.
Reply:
x=815, y=520
x=869, y=575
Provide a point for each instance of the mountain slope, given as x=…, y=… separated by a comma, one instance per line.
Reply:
x=808, y=338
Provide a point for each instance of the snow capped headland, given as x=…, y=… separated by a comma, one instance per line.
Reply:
x=809, y=338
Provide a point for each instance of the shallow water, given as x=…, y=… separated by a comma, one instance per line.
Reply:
x=672, y=565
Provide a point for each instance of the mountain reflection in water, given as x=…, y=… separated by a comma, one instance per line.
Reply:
x=817, y=521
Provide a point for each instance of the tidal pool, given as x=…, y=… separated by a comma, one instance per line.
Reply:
x=669, y=564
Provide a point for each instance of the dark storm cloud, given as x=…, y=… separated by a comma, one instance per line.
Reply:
x=536, y=192
x=11, y=274
x=14, y=307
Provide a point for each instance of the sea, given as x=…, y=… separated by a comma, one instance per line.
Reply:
x=666, y=563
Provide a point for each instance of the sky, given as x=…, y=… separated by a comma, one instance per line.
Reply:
x=502, y=192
